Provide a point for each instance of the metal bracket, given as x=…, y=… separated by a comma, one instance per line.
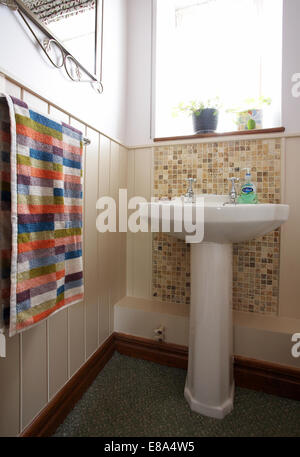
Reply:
x=10, y=4
x=25, y=13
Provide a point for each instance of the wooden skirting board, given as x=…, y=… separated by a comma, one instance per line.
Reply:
x=169, y=354
x=249, y=373
x=64, y=401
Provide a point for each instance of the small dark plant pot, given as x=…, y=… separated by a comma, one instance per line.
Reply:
x=205, y=121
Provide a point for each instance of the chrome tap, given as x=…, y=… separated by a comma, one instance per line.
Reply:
x=233, y=192
x=190, y=192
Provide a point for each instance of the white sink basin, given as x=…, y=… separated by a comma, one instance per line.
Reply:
x=229, y=223
x=209, y=388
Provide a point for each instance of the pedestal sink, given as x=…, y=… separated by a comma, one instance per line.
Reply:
x=209, y=387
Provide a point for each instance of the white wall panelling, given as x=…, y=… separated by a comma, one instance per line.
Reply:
x=42, y=359
x=22, y=59
x=139, y=245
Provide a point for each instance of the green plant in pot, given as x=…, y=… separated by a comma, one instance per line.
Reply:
x=249, y=115
x=205, y=114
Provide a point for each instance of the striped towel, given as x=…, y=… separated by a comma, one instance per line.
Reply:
x=5, y=214
x=42, y=161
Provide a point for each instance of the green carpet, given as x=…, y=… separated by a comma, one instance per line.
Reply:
x=134, y=398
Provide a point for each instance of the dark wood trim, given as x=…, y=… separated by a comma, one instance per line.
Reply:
x=64, y=401
x=169, y=354
x=220, y=135
x=252, y=374
x=249, y=373
x=267, y=377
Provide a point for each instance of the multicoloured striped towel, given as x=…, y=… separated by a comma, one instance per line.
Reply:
x=42, y=160
x=5, y=213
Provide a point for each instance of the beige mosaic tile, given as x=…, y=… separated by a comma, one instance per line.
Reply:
x=170, y=269
x=255, y=263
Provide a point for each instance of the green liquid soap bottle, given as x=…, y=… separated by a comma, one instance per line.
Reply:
x=248, y=190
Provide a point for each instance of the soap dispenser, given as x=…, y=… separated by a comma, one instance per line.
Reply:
x=248, y=190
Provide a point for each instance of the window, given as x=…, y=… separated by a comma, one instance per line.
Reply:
x=229, y=49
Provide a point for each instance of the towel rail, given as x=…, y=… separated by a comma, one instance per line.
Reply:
x=45, y=45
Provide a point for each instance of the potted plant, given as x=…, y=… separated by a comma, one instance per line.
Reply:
x=205, y=114
x=249, y=115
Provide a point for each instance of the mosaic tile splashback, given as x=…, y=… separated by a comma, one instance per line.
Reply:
x=255, y=263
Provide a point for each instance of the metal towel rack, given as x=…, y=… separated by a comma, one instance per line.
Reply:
x=51, y=40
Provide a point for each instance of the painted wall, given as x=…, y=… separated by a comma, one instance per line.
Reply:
x=42, y=359
x=255, y=262
x=140, y=51
x=124, y=110
x=21, y=58
x=289, y=288
x=140, y=69
x=138, y=127
x=290, y=65
x=139, y=245
x=257, y=335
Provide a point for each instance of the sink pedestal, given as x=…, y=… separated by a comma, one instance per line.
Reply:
x=209, y=387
